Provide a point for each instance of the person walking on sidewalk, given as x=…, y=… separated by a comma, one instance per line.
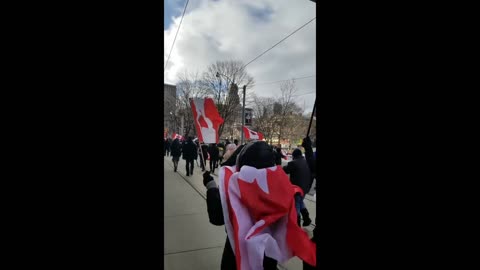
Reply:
x=221, y=151
x=167, y=146
x=300, y=176
x=214, y=155
x=176, y=151
x=279, y=155
x=189, y=153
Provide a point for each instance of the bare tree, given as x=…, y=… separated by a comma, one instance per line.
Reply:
x=296, y=127
x=281, y=117
x=219, y=78
x=285, y=106
x=190, y=85
x=263, y=113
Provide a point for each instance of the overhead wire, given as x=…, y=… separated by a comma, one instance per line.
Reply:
x=298, y=29
x=168, y=58
x=303, y=94
x=300, y=78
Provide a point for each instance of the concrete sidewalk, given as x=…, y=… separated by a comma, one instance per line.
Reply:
x=191, y=242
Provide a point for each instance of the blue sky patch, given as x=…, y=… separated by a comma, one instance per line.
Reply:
x=260, y=14
x=172, y=9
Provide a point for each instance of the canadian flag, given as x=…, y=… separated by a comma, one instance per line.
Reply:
x=206, y=119
x=260, y=217
x=252, y=135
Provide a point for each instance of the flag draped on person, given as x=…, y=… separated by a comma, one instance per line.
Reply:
x=260, y=218
x=252, y=135
x=206, y=118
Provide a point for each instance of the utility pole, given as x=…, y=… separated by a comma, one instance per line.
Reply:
x=243, y=111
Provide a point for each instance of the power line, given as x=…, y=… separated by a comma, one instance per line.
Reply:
x=176, y=35
x=300, y=78
x=304, y=94
x=278, y=42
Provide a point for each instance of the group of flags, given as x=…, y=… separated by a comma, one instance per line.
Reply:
x=207, y=120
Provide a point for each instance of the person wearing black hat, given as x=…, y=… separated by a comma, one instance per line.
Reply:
x=214, y=155
x=300, y=175
x=189, y=153
x=176, y=151
x=167, y=146
x=256, y=154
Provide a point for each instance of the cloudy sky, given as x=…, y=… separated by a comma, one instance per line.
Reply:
x=216, y=30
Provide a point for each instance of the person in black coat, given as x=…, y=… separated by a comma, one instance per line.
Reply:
x=176, y=151
x=189, y=153
x=259, y=155
x=164, y=146
x=203, y=156
x=307, y=144
x=167, y=146
x=278, y=156
x=214, y=156
x=220, y=155
x=300, y=175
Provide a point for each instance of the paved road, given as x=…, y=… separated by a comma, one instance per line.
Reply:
x=191, y=242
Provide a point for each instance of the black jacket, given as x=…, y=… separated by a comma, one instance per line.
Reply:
x=176, y=149
x=278, y=156
x=214, y=152
x=167, y=144
x=189, y=150
x=299, y=173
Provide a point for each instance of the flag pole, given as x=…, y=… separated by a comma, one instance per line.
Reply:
x=199, y=145
x=202, y=157
x=311, y=118
x=243, y=111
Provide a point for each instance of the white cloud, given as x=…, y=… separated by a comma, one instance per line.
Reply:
x=234, y=29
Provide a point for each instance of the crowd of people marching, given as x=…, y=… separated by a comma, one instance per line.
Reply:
x=257, y=155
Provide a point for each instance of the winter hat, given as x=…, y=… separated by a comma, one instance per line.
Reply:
x=297, y=153
x=256, y=154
